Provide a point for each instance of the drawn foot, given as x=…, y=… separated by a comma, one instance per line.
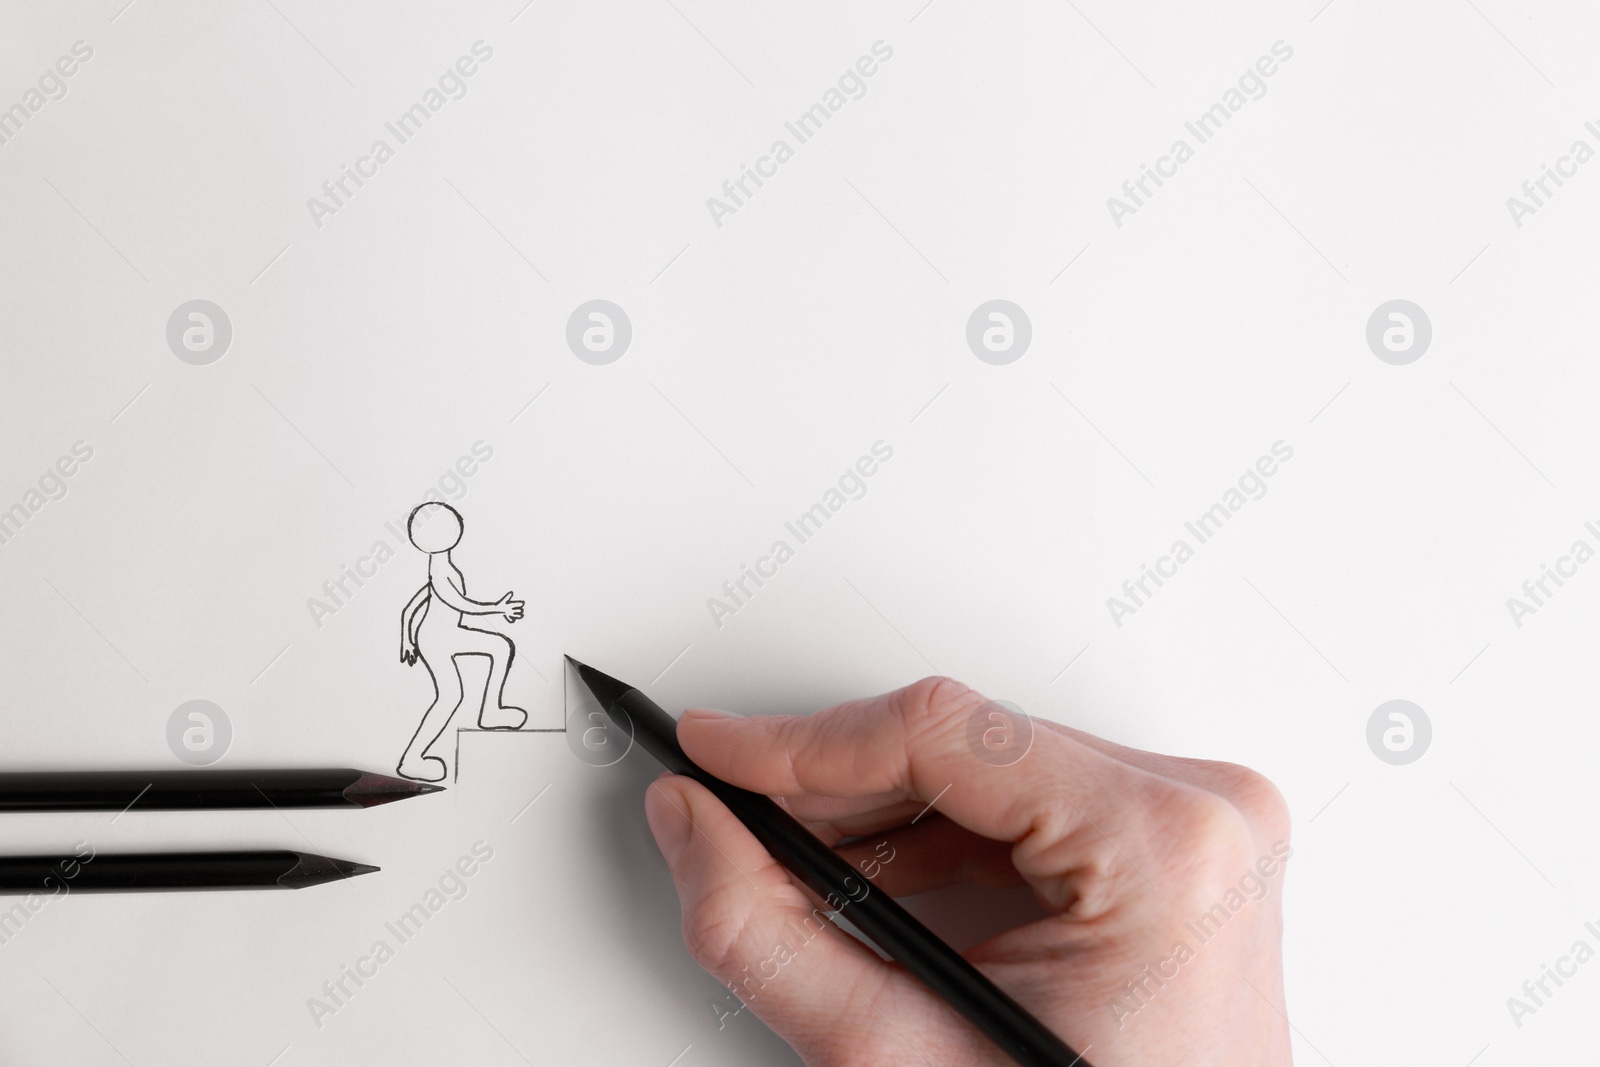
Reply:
x=502, y=718
x=422, y=768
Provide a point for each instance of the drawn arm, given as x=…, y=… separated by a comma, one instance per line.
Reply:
x=456, y=598
x=410, y=619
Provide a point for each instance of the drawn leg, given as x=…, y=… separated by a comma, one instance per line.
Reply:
x=415, y=763
x=496, y=715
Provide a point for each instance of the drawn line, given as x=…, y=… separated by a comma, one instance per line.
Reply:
x=314, y=48
x=1474, y=1059
x=535, y=800
x=931, y=803
x=279, y=1056
x=95, y=628
x=703, y=437
x=1320, y=10
x=1070, y=262
x=1470, y=662
x=1296, y=629
x=268, y=667
x=264, y=270
x=1331, y=399
x=668, y=667
x=1103, y=437
x=96, y=229
x=686, y=1048
x=303, y=437
x=891, y=625
x=521, y=9
x=485, y=1018
x=929, y=404
x=920, y=10
x=495, y=228
x=114, y=18
x=1114, y=48
x=1503, y=437
x=1470, y=262
x=714, y=48
x=85, y=1018
x=1070, y=662
x=1296, y=229
x=1329, y=804
x=896, y=229
x=670, y=262
x=129, y=404
x=1503, y=837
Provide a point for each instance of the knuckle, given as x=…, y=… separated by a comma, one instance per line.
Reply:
x=1254, y=795
x=932, y=702
x=713, y=932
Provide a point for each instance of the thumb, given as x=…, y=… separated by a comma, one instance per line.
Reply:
x=748, y=923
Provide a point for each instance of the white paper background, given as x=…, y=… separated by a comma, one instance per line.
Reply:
x=768, y=354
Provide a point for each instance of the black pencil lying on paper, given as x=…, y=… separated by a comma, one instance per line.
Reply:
x=147, y=871
x=938, y=966
x=168, y=790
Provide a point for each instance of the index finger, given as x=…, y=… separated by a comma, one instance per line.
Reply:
x=915, y=743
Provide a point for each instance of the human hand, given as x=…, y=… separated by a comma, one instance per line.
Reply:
x=1162, y=876
x=408, y=650
x=511, y=609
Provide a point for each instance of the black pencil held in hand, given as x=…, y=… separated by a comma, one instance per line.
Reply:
x=919, y=950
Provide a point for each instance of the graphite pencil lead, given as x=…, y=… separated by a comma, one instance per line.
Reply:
x=605, y=688
x=371, y=789
x=311, y=869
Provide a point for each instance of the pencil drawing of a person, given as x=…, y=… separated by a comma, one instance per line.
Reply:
x=433, y=629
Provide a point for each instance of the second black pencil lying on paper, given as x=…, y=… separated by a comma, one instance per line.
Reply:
x=146, y=871
x=197, y=790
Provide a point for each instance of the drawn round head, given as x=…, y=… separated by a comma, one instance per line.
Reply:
x=434, y=527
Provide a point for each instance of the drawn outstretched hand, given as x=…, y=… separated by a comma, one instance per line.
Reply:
x=1159, y=880
x=511, y=609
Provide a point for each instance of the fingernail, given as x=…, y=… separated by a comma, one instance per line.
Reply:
x=670, y=822
x=708, y=714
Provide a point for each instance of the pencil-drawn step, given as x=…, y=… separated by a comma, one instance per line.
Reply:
x=434, y=632
x=472, y=738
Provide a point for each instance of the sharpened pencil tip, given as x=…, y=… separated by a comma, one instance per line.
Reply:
x=370, y=790
x=311, y=869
